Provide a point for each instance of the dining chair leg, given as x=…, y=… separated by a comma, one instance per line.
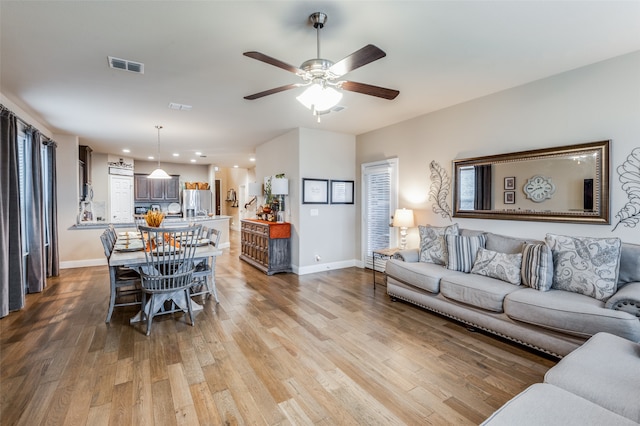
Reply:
x=213, y=280
x=150, y=314
x=112, y=302
x=187, y=297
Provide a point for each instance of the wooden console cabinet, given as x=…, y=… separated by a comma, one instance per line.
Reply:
x=265, y=245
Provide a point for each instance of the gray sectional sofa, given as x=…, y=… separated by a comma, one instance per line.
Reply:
x=597, y=384
x=564, y=296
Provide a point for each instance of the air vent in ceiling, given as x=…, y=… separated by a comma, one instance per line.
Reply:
x=125, y=65
x=180, y=107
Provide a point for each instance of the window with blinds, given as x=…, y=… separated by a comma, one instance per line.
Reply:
x=379, y=202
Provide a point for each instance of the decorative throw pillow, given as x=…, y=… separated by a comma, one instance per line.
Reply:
x=585, y=265
x=432, y=249
x=461, y=251
x=537, y=266
x=502, y=266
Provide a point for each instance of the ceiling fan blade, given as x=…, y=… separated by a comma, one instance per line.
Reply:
x=361, y=57
x=370, y=90
x=273, y=61
x=271, y=91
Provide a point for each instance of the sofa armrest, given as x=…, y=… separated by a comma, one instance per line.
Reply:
x=408, y=255
x=626, y=299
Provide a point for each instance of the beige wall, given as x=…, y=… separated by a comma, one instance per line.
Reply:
x=593, y=103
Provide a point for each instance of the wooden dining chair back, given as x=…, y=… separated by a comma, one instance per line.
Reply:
x=124, y=283
x=169, y=267
x=204, y=276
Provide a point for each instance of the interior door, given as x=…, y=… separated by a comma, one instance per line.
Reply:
x=217, y=185
x=120, y=199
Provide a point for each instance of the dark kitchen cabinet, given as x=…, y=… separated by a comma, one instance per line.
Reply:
x=157, y=190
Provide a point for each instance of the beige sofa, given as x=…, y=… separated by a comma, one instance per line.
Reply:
x=597, y=384
x=554, y=321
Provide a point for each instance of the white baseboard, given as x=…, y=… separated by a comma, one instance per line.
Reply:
x=324, y=267
x=84, y=263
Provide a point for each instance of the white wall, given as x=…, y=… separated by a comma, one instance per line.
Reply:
x=592, y=103
x=308, y=153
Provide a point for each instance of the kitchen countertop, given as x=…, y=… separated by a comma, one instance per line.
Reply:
x=102, y=225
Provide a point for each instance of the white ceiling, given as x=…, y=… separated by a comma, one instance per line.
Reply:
x=53, y=63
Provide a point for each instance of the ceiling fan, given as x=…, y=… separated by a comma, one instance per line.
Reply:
x=322, y=76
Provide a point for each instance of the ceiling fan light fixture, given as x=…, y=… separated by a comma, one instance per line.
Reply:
x=318, y=97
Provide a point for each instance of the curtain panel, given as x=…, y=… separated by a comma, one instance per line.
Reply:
x=34, y=214
x=482, y=199
x=11, y=291
x=52, y=260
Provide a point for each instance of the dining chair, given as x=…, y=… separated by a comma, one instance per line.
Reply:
x=204, y=276
x=124, y=283
x=168, y=272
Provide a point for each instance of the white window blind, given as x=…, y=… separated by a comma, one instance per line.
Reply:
x=379, y=201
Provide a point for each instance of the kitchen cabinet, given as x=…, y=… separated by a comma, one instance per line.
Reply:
x=157, y=190
x=265, y=245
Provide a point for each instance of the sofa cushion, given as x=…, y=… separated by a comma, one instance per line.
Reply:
x=419, y=274
x=585, y=265
x=629, y=264
x=502, y=266
x=432, y=249
x=571, y=313
x=461, y=251
x=545, y=404
x=504, y=244
x=476, y=290
x=537, y=266
x=606, y=371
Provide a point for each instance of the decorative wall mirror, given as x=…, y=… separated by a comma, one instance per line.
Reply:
x=564, y=184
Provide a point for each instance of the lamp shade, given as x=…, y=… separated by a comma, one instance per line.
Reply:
x=403, y=218
x=319, y=98
x=280, y=186
x=158, y=174
x=255, y=189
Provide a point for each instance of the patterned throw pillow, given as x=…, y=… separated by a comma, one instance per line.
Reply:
x=585, y=265
x=502, y=266
x=461, y=251
x=432, y=249
x=537, y=266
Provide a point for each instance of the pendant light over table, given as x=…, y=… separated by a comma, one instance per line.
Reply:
x=158, y=173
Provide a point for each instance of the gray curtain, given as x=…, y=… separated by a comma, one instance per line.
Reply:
x=11, y=291
x=35, y=224
x=52, y=259
x=482, y=200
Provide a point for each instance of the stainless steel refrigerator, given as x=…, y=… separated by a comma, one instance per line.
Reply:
x=196, y=202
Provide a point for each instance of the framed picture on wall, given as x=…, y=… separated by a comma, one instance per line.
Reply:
x=315, y=191
x=509, y=197
x=341, y=192
x=509, y=183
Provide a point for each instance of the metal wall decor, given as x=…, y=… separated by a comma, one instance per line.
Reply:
x=629, y=172
x=439, y=191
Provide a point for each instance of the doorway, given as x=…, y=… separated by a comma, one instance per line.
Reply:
x=120, y=199
x=217, y=187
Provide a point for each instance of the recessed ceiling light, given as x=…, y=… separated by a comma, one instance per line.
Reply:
x=175, y=154
x=198, y=153
x=193, y=160
x=252, y=159
x=150, y=157
x=235, y=166
x=126, y=150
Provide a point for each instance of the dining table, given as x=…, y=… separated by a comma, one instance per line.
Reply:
x=135, y=259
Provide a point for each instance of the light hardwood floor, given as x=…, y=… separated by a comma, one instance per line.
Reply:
x=316, y=349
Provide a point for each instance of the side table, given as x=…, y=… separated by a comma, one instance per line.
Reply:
x=381, y=254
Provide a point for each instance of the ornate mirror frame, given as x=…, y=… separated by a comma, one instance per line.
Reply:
x=563, y=184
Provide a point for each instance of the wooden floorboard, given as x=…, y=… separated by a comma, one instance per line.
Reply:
x=321, y=349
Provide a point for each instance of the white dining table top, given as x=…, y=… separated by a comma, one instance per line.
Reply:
x=137, y=258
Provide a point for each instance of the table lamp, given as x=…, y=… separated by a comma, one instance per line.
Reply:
x=403, y=219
